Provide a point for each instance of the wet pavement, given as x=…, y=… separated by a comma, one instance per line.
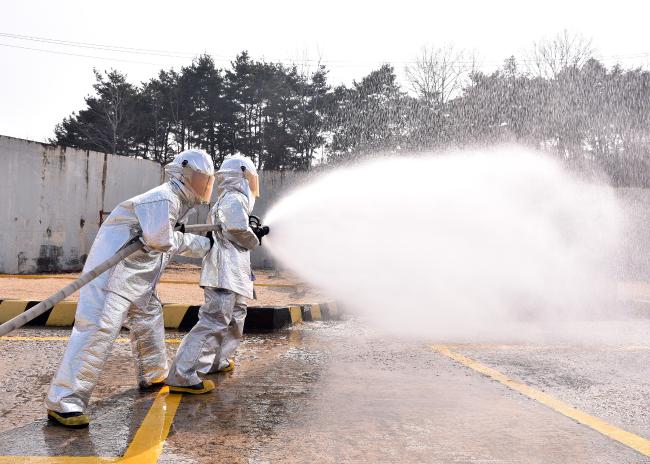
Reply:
x=335, y=392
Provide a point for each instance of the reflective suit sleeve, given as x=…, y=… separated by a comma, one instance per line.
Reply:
x=156, y=223
x=192, y=246
x=234, y=219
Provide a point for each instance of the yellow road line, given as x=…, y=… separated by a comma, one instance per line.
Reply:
x=489, y=346
x=35, y=277
x=147, y=444
x=57, y=460
x=256, y=284
x=145, y=448
x=277, y=285
x=640, y=444
x=64, y=339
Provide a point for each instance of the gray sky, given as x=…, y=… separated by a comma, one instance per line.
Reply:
x=38, y=89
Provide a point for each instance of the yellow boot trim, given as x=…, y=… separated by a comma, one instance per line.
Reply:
x=158, y=380
x=75, y=421
x=229, y=367
x=208, y=385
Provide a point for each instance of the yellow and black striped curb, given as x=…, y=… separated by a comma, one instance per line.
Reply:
x=162, y=281
x=183, y=316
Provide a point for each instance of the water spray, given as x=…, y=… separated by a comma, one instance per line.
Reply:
x=492, y=245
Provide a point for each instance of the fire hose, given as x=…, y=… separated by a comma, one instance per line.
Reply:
x=127, y=250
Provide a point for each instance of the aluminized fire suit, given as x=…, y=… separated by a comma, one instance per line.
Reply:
x=226, y=278
x=125, y=294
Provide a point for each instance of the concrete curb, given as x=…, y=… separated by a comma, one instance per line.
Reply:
x=182, y=316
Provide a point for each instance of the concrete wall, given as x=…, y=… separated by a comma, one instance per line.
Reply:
x=51, y=198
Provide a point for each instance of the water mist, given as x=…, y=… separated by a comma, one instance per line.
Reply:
x=496, y=245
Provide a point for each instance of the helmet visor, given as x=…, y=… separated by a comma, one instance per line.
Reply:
x=199, y=183
x=253, y=183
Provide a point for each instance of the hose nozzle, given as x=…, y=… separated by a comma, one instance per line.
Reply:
x=255, y=223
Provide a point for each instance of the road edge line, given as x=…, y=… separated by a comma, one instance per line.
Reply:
x=629, y=439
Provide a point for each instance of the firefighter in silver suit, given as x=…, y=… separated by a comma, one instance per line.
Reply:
x=126, y=294
x=226, y=279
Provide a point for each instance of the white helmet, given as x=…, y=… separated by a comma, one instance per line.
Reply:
x=194, y=169
x=239, y=163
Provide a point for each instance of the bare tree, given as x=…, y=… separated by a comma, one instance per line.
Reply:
x=548, y=58
x=110, y=108
x=306, y=65
x=439, y=73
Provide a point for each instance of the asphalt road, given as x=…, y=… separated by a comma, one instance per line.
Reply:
x=335, y=392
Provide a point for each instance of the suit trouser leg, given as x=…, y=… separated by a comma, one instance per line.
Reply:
x=234, y=335
x=200, y=346
x=147, y=334
x=95, y=330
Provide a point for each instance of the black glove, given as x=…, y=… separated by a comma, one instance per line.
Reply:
x=209, y=235
x=180, y=227
x=261, y=232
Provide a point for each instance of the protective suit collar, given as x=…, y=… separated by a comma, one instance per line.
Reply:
x=184, y=192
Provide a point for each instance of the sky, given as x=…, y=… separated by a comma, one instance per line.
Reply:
x=39, y=88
